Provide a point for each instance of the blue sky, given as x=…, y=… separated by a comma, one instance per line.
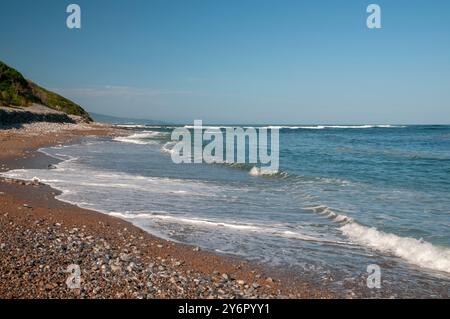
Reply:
x=246, y=61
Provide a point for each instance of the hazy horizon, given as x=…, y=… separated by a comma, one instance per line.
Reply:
x=153, y=121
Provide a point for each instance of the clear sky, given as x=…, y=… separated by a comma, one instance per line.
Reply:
x=239, y=61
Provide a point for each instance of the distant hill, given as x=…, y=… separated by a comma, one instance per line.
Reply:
x=15, y=90
x=123, y=120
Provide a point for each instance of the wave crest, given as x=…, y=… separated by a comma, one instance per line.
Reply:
x=262, y=171
x=414, y=251
x=139, y=138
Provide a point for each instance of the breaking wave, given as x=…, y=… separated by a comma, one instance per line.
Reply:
x=321, y=127
x=297, y=127
x=262, y=171
x=168, y=147
x=414, y=251
x=140, y=138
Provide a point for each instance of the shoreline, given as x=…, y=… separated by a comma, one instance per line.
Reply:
x=41, y=236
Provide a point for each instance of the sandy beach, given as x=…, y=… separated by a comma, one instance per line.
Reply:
x=41, y=236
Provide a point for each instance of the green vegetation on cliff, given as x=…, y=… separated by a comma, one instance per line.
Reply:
x=15, y=90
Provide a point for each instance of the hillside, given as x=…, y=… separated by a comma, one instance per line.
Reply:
x=16, y=91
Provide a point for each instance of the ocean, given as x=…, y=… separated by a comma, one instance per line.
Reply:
x=345, y=197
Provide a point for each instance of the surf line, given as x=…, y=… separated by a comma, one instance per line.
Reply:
x=226, y=145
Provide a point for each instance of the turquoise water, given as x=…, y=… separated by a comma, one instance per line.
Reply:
x=345, y=197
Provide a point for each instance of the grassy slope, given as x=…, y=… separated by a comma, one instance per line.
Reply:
x=15, y=90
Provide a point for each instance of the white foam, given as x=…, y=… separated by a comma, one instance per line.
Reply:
x=167, y=148
x=307, y=127
x=207, y=127
x=321, y=127
x=139, y=138
x=261, y=171
x=279, y=232
x=183, y=220
x=131, y=125
x=413, y=250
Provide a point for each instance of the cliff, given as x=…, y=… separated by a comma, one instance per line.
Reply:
x=21, y=98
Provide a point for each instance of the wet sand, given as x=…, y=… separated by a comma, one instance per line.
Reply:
x=40, y=237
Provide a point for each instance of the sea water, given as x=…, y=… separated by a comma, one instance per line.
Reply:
x=345, y=197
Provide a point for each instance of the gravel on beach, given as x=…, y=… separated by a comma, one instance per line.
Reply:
x=45, y=242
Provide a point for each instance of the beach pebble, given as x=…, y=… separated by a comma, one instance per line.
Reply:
x=124, y=257
x=131, y=266
x=116, y=268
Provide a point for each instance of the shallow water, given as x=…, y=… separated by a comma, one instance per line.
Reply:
x=345, y=197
